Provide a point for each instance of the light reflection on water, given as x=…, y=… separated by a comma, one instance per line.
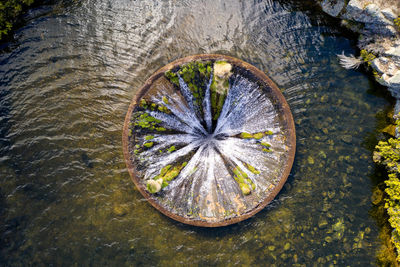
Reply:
x=65, y=194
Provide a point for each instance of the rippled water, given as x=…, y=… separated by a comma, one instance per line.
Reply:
x=66, y=196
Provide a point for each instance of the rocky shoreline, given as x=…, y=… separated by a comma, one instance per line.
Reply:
x=378, y=24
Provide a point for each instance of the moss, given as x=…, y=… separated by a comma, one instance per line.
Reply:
x=245, y=135
x=196, y=75
x=167, y=173
x=397, y=23
x=245, y=188
x=367, y=57
x=148, y=137
x=258, y=135
x=9, y=11
x=153, y=186
x=265, y=144
x=387, y=153
x=144, y=120
x=143, y=103
x=148, y=145
x=269, y=132
x=171, y=149
x=245, y=184
x=252, y=169
x=165, y=100
x=165, y=169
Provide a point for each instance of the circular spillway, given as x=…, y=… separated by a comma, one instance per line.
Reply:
x=209, y=140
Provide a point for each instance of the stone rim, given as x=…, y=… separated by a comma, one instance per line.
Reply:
x=287, y=122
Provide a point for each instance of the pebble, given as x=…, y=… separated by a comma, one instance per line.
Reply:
x=322, y=223
x=120, y=210
x=346, y=138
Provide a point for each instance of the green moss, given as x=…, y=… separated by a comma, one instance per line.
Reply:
x=9, y=11
x=265, y=144
x=367, y=57
x=171, y=149
x=252, y=169
x=160, y=129
x=258, y=135
x=165, y=169
x=387, y=153
x=245, y=188
x=149, y=144
x=397, y=23
x=143, y=103
x=144, y=120
x=148, y=137
x=269, y=132
x=165, y=100
x=196, y=75
x=153, y=186
x=245, y=135
x=167, y=173
x=243, y=180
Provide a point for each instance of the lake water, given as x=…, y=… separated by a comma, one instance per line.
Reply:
x=65, y=194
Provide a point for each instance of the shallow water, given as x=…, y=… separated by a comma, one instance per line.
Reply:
x=66, y=196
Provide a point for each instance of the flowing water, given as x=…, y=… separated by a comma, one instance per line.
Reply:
x=66, y=196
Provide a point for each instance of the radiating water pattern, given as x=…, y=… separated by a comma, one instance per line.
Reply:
x=209, y=162
x=65, y=86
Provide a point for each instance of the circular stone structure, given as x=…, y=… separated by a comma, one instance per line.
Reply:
x=209, y=140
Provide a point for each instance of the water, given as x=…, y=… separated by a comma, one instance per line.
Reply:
x=66, y=195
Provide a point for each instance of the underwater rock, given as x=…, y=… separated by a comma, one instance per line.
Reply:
x=120, y=210
x=323, y=223
x=377, y=196
x=390, y=129
x=346, y=138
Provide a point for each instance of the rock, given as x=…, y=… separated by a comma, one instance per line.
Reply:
x=222, y=69
x=322, y=223
x=389, y=14
x=385, y=65
x=354, y=10
x=120, y=210
x=346, y=138
x=333, y=8
x=375, y=16
x=393, y=52
x=377, y=196
x=390, y=129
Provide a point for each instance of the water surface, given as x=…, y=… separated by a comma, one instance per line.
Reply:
x=66, y=196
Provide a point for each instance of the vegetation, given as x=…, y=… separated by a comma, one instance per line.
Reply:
x=397, y=23
x=388, y=154
x=9, y=11
x=367, y=57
